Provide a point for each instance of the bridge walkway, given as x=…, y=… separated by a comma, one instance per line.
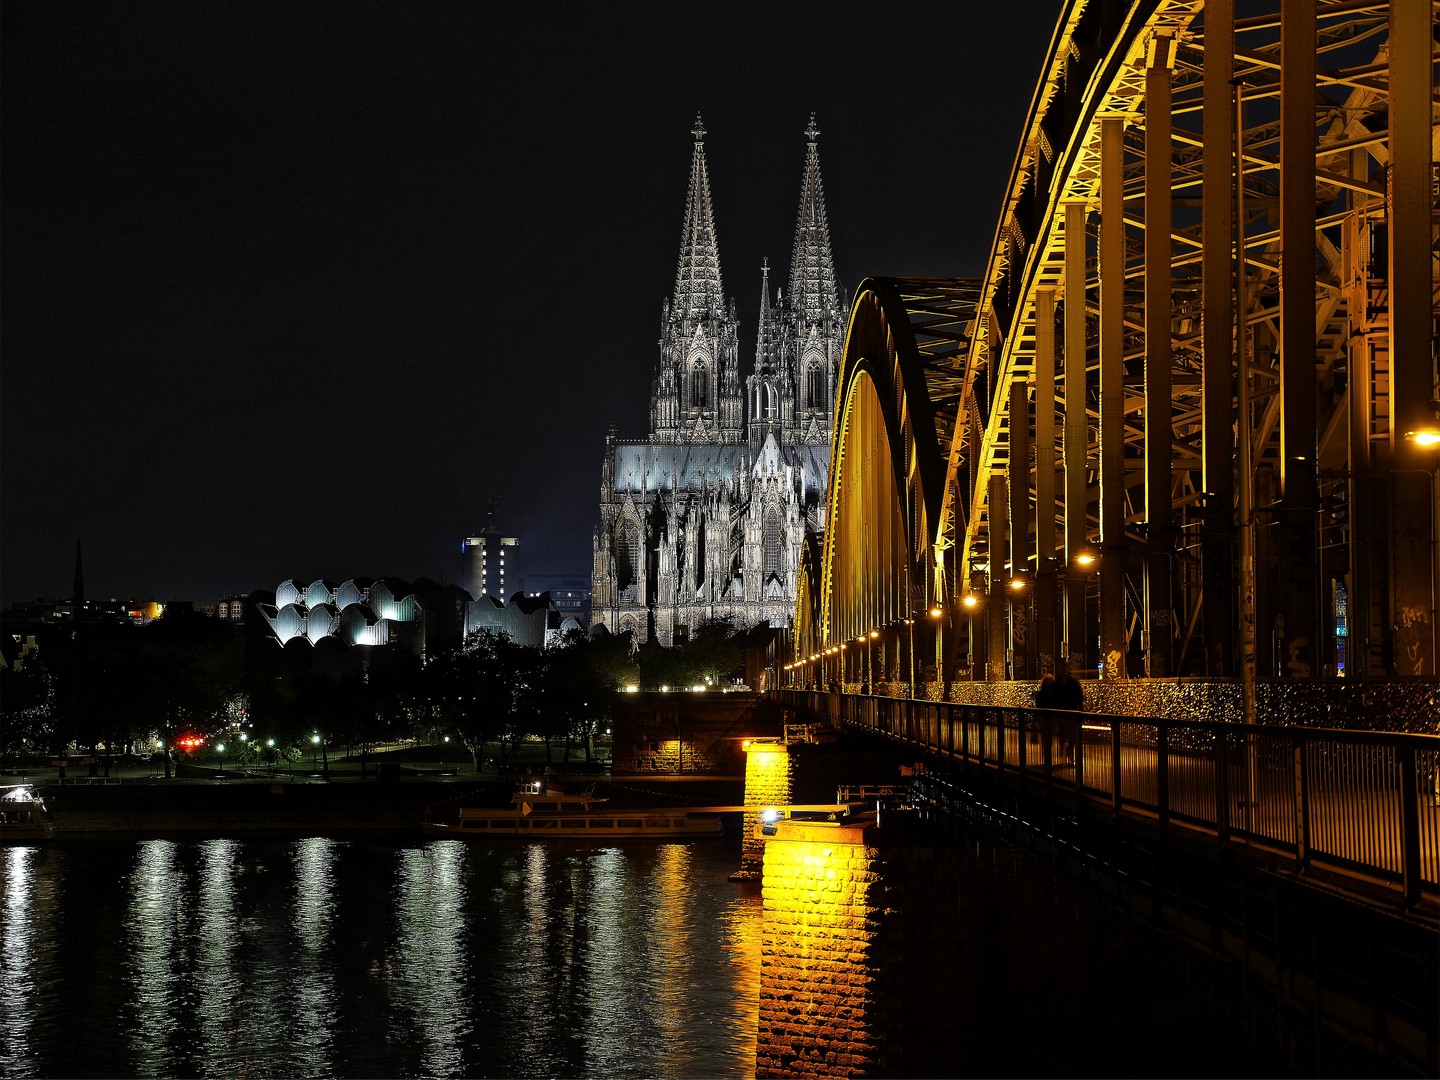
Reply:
x=1355, y=810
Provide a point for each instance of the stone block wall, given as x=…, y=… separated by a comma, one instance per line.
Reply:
x=769, y=776
x=683, y=732
x=821, y=950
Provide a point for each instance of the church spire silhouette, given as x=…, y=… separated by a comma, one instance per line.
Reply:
x=77, y=592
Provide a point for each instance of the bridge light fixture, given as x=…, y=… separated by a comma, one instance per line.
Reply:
x=971, y=600
x=874, y=633
x=1085, y=559
x=936, y=611
x=1425, y=437
x=768, y=819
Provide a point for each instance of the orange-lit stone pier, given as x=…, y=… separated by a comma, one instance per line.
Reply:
x=834, y=992
x=769, y=774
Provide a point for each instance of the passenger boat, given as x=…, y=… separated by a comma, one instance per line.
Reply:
x=539, y=812
x=24, y=818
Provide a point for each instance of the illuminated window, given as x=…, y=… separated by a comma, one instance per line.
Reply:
x=772, y=542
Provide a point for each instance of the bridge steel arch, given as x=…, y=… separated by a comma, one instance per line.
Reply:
x=1179, y=426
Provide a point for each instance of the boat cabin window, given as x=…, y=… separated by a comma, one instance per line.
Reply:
x=472, y=823
x=602, y=823
x=544, y=824
x=631, y=823
x=544, y=806
x=658, y=823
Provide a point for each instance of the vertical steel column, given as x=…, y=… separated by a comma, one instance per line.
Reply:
x=1158, y=303
x=1074, y=644
x=995, y=652
x=1299, y=496
x=1416, y=574
x=1217, y=390
x=1112, y=396
x=1367, y=557
x=1021, y=636
x=1045, y=460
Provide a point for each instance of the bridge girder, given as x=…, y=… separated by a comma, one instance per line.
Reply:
x=1246, y=484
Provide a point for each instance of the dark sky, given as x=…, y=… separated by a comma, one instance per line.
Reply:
x=295, y=289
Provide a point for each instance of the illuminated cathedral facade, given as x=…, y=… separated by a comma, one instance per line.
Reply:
x=705, y=519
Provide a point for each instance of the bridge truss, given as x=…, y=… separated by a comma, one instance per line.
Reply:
x=1180, y=426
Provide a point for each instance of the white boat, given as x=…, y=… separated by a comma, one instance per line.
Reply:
x=24, y=818
x=539, y=812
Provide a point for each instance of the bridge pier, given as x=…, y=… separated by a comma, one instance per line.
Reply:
x=833, y=989
x=769, y=781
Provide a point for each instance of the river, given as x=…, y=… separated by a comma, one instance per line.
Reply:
x=317, y=956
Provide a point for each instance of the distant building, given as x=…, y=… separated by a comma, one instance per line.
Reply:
x=491, y=561
x=367, y=611
x=706, y=518
x=48, y=611
x=526, y=620
x=231, y=609
x=570, y=594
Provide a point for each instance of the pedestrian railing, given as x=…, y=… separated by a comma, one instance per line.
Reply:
x=1362, y=803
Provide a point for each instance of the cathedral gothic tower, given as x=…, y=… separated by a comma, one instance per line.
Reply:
x=705, y=519
x=696, y=396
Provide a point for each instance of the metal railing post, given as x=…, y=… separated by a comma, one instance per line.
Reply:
x=1162, y=773
x=1115, y=800
x=1301, y=779
x=1409, y=827
x=1222, y=787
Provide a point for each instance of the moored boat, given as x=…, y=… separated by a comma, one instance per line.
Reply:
x=538, y=811
x=24, y=818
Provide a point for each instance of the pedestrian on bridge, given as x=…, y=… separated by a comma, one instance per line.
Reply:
x=1068, y=695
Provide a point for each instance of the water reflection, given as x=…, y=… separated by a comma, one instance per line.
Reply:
x=312, y=919
x=18, y=948
x=429, y=957
x=317, y=957
x=217, y=985
x=153, y=925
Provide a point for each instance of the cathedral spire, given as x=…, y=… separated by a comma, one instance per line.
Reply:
x=814, y=293
x=765, y=332
x=77, y=592
x=698, y=290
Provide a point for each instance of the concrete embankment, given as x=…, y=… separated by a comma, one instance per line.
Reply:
x=341, y=805
x=258, y=805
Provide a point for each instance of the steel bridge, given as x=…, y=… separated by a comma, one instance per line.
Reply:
x=1183, y=433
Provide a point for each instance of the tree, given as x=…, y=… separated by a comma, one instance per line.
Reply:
x=474, y=690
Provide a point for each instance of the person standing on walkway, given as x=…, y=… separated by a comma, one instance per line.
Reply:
x=1067, y=694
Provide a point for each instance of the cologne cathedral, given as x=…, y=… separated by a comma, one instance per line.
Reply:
x=705, y=519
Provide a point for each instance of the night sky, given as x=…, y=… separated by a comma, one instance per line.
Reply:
x=294, y=290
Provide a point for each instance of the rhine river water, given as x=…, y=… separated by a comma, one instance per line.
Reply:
x=392, y=956
x=319, y=956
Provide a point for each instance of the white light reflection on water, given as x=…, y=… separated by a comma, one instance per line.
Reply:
x=217, y=986
x=312, y=919
x=156, y=921
x=18, y=948
x=316, y=957
x=430, y=957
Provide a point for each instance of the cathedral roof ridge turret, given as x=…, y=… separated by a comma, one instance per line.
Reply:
x=699, y=291
x=814, y=292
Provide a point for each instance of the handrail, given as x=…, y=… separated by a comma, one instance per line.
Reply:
x=1364, y=804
